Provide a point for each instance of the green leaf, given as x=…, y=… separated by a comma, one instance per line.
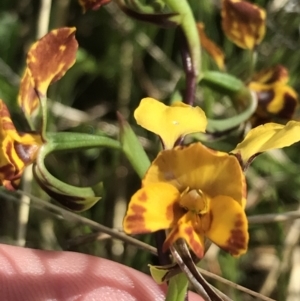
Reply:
x=222, y=82
x=132, y=148
x=177, y=288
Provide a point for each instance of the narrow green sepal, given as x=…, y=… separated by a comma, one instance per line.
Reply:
x=72, y=197
x=222, y=82
x=76, y=141
x=132, y=147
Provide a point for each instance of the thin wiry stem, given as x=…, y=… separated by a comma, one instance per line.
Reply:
x=273, y=217
x=189, y=69
x=23, y=214
x=63, y=213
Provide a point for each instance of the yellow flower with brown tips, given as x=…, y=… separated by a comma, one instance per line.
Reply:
x=18, y=150
x=196, y=193
x=275, y=97
x=47, y=61
x=243, y=23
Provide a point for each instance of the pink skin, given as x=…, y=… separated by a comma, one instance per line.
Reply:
x=27, y=274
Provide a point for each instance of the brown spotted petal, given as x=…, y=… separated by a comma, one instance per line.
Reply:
x=210, y=47
x=50, y=57
x=17, y=150
x=229, y=225
x=92, y=4
x=243, y=23
x=187, y=229
x=275, y=100
x=153, y=207
x=275, y=97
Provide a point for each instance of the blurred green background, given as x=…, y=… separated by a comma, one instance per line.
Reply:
x=119, y=62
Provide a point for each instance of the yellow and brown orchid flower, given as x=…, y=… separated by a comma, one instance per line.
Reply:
x=243, y=23
x=195, y=192
x=276, y=99
x=17, y=149
x=47, y=61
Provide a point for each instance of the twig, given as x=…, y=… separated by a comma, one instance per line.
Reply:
x=23, y=214
x=44, y=18
x=63, y=213
x=234, y=285
x=294, y=288
x=289, y=244
x=273, y=217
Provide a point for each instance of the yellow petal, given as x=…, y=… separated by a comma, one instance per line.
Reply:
x=213, y=50
x=153, y=207
x=229, y=225
x=266, y=137
x=170, y=122
x=198, y=167
x=243, y=23
x=185, y=229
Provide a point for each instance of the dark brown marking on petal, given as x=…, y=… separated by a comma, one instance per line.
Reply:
x=243, y=11
x=289, y=107
x=138, y=209
x=135, y=222
x=239, y=222
x=174, y=212
x=143, y=196
x=278, y=73
x=135, y=218
x=8, y=171
x=236, y=242
x=194, y=245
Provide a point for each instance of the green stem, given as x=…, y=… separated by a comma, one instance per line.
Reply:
x=43, y=102
x=69, y=141
x=188, y=25
x=177, y=288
